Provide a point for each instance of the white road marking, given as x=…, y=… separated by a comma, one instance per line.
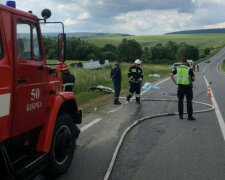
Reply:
x=4, y=104
x=84, y=128
x=217, y=110
x=114, y=110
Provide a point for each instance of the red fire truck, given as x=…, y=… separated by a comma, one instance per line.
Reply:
x=37, y=117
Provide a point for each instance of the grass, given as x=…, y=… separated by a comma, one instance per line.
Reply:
x=201, y=41
x=86, y=79
x=223, y=66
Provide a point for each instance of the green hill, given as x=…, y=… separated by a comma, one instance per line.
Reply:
x=200, y=31
x=201, y=41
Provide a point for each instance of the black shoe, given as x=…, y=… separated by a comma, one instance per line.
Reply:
x=117, y=103
x=190, y=118
x=181, y=117
x=128, y=98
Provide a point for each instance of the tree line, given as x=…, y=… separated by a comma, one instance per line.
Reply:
x=128, y=50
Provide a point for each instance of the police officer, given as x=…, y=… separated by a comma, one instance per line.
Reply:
x=185, y=77
x=115, y=75
x=135, y=76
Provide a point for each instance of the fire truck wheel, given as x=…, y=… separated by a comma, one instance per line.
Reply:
x=63, y=146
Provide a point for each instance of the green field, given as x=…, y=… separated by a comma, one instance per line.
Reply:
x=201, y=41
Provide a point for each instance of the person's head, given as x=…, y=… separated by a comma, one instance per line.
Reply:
x=117, y=61
x=137, y=62
x=183, y=60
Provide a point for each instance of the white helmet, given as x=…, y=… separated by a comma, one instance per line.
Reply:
x=137, y=61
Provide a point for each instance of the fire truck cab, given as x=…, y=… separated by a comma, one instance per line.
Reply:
x=37, y=118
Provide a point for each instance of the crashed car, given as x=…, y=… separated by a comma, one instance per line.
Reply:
x=99, y=64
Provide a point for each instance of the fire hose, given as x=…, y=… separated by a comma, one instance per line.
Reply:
x=119, y=145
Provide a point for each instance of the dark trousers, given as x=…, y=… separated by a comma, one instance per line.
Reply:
x=135, y=87
x=185, y=90
x=117, y=88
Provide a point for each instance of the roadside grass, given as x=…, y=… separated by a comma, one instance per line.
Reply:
x=223, y=66
x=85, y=79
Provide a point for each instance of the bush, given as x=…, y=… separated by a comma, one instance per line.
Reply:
x=129, y=50
x=207, y=51
x=190, y=52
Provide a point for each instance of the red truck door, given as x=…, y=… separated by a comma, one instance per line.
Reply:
x=30, y=95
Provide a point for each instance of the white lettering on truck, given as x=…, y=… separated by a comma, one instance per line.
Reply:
x=35, y=95
x=33, y=106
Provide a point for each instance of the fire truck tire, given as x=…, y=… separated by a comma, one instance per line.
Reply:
x=62, y=147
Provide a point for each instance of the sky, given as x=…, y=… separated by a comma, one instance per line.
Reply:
x=136, y=17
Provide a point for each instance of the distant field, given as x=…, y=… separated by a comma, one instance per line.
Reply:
x=201, y=41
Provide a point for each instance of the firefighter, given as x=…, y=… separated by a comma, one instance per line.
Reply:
x=115, y=75
x=185, y=77
x=135, y=76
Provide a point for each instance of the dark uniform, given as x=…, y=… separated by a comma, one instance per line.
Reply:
x=116, y=77
x=184, y=88
x=135, y=76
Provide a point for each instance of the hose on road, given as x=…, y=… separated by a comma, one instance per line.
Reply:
x=115, y=154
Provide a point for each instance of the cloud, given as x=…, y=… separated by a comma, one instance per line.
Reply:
x=151, y=21
x=83, y=16
x=219, y=25
x=130, y=16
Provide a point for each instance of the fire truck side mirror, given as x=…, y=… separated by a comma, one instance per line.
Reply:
x=62, y=47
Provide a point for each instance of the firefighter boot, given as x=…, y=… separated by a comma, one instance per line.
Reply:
x=138, y=100
x=116, y=101
x=128, y=98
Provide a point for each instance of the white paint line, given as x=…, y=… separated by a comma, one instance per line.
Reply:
x=164, y=80
x=84, y=128
x=114, y=110
x=217, y=110
x=4, y=104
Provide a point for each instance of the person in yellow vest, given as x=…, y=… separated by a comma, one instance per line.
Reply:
x=184, y=78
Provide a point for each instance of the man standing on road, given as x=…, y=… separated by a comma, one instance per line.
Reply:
x=185, y=77
x=135, y=76
x=197, y=67
x=115, y=75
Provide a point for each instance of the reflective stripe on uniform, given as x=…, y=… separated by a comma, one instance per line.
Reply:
x=183, y=76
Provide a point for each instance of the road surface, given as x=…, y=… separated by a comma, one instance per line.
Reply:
x=159, y=149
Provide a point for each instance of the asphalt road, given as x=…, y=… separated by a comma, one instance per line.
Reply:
x=159, y=149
